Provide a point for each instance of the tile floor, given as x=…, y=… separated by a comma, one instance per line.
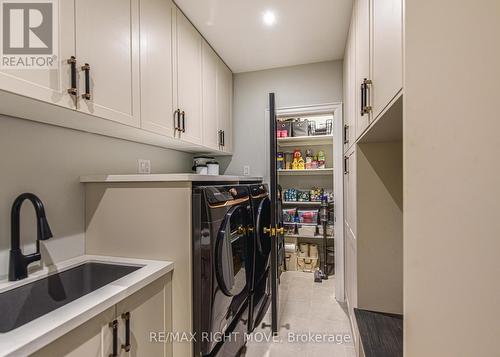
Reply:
x=306, y=307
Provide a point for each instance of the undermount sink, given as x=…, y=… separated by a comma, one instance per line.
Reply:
x=28, y=302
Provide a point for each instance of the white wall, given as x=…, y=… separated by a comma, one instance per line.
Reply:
x=48, y=161
x=315, y=83
x=451, y=178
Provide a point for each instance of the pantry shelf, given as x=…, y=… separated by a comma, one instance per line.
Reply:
x=303, y=236
x=307, y=172
x=305, y=140
x=303, y=203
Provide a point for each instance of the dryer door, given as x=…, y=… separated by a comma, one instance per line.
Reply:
x=231, y=252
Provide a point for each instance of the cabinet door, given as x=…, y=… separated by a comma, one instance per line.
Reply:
x=48, y=85
x=387, y=52
x=189, y=78
x=350, y=192
x=362, y=62
x=350, y=88
x=107, y=38
x=148, y=312
x=156, y=66
x=210, y=124
x=92, y=339
x=224, y=105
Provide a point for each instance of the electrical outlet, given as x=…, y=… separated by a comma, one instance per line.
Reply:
x=143, y=166
x=246, y=170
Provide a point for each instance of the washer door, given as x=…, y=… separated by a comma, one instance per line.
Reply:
x=263, y=221
x=231, y=252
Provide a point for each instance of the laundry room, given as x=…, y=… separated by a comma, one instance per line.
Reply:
x=230, y=178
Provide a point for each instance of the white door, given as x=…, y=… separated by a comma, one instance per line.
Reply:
x=157, y=112
x=146, y=311
x=48, y=85
x=362, y=64
x=210, y=124
x=387, y=52
x=107, y=38
x=189, y=79
x=350, y=89
x=224, y=105
x=92, y=339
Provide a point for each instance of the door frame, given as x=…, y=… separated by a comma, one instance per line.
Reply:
x=338, y=155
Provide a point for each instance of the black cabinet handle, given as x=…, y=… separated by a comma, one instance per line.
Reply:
x=177, y=120
x=126, y=318
x=363, y=98
x=114, y=325
x=346, y=162
x=346, y=136
x=219, y=133
x=183, y=114
x=86, y=69
x=72, y=62
x=223, y=138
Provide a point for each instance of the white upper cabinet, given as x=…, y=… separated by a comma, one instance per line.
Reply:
x=137, y=69
x=210, y=123
x=350, y=87
x=157, y=111
x=189, y=80
x=363, y=75
x=224, y=106
x=107, y=39
x=48, y=85
x=387, y=52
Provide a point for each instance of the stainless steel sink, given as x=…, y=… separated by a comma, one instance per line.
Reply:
x=28, y=302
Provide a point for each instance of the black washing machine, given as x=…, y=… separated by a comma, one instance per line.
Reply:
x=260, y=294
x=223, y=257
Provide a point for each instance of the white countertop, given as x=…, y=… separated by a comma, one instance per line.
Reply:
x=167, y=178
x=38, y=333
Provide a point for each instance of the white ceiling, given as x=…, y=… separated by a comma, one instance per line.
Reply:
x=305, y=31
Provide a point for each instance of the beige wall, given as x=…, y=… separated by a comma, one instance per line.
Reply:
x=48, y=161
x=315, y=83
x=452, y=178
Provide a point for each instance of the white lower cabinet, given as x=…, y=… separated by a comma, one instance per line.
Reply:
x=147, y=312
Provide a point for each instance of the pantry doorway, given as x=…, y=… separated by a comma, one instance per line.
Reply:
x=310, y=165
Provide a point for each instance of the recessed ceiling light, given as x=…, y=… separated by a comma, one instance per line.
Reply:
x=269, y=18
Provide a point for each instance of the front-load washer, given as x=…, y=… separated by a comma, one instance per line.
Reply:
x=222, y=267
x=260, y=293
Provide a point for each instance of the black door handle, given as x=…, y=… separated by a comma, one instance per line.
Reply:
x=177, y=120
x=219, y=133
x=346, y=137
x=183, y=114
x=86, y=69
x=114, y=325
x=346, y=162
x=126, y=345
x=223, y=138
x=363, y=98
x=72, y=62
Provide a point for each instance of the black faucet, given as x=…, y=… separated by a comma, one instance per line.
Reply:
x=18, y=264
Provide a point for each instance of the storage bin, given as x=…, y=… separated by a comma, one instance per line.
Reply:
x=313, y=251
x=307, y=264
x=304, y=249
x=300, y=127
x=308, y=216
x=291, y=261
x=289, y=215
x=283, y=128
